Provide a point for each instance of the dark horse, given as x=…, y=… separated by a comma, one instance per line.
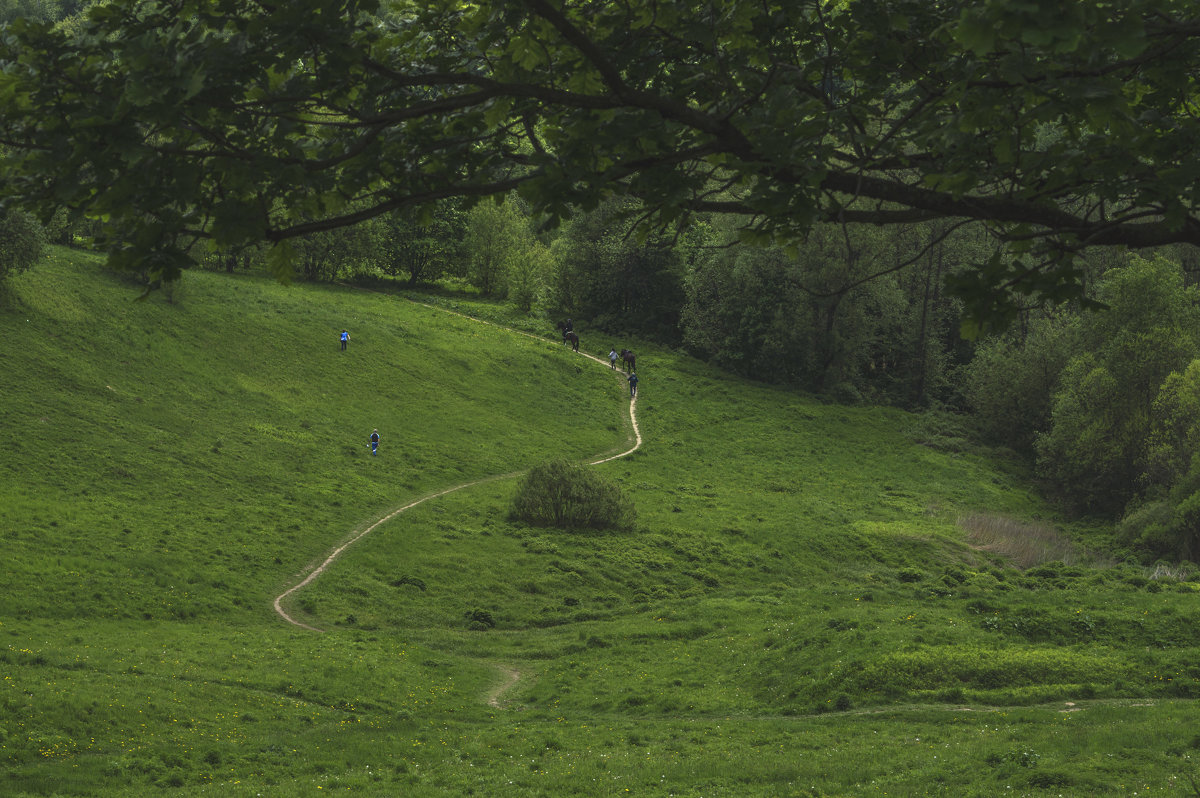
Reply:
x=628, y=360
x=569, y=336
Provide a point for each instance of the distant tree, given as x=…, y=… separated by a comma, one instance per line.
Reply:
x=1166, y=522
x=495, y=232
x=424, y=243
x=332, y=254
x=617, y=278
x=1096, y=448
x=851, y=312
x=528, y=269
x=21, y=242
x=1012, y=378
x=926, y=346
x=783, y=317
x=1175, y=428
x=732, y=299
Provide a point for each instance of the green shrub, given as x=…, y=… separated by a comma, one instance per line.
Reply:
x=415, y=581
x=846, y=393
x=21, y=242
x=479, y=620
x=1049, y=779
x=569, y=496
x=1150, y=526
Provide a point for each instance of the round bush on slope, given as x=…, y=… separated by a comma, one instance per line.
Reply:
x=569, y=496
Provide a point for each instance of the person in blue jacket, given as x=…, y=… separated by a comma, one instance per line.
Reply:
x=375, y=442
x=345, y=340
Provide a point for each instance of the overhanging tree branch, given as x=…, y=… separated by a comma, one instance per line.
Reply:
x=799, y=113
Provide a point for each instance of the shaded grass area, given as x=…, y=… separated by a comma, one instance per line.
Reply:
x=796, y=612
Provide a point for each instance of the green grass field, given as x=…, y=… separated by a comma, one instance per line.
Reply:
x=798, y=611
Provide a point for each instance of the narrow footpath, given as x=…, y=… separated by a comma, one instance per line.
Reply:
x=311, y=576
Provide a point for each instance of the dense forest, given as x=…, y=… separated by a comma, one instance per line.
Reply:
x=1079, y=353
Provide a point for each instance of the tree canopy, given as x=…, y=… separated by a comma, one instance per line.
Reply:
x=1058, y=125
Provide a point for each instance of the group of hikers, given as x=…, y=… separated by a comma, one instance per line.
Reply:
x=627, y=358
x=567, y=328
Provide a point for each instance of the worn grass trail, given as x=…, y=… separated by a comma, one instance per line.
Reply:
x=316, y=572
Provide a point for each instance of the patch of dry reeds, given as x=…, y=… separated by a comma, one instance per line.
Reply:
x=1179, y=572
x=1025, y=543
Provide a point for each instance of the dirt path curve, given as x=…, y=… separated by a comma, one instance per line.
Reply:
x=508, y=679
x=637, y=433
x=355, y=537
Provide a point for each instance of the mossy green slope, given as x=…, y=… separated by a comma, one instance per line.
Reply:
x=163, y=448
x=796, y=614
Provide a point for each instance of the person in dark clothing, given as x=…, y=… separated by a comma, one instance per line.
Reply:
x=633, y=381
x=375, y=442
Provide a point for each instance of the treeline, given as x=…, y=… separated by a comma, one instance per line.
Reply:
x=1108, y=402
x=856, y=314
x=594, y=267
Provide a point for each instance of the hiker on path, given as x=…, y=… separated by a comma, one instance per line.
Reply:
x=612, y=356
x=345, y=340
x=632, y=384
x=375, y=442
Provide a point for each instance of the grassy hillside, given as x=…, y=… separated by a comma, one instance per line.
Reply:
x=797, y=613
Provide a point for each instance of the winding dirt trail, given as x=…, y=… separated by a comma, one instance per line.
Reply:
x=511, y=675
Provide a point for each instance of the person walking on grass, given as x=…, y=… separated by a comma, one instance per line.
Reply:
x=632, y=384
x=345, y=340
x=375, y=442
x=612, y=356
